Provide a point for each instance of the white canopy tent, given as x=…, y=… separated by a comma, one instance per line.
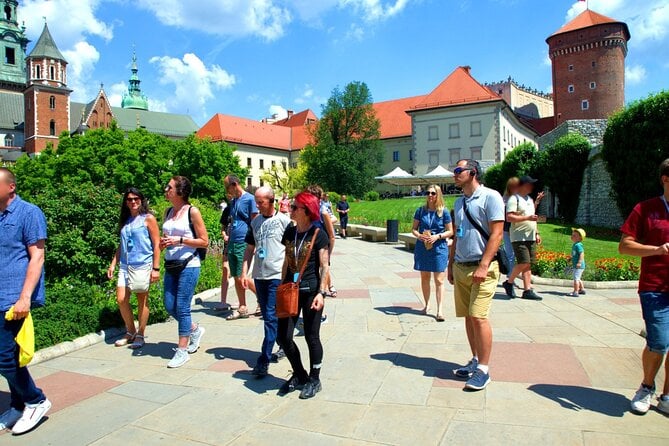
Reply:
x=398, y=177
x=438, y=175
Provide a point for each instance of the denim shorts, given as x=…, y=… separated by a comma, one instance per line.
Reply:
x=577, y=273
x=655, y=310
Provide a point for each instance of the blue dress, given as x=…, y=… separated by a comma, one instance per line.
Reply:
x=435, y=259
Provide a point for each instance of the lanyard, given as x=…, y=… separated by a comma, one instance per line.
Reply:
x=666, y=205
x=297, y=247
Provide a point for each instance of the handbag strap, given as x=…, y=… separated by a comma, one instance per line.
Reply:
x=473, y=222
x=306, y=258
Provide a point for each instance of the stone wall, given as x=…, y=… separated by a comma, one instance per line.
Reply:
x=595, y=207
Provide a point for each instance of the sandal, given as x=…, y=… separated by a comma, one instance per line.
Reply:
x=138, y=342
x=257, y=312
x=125, y=340
x=440, y=318
x=333, y=291
x=238, y=314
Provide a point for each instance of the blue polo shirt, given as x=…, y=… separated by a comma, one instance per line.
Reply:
x=241, y=212
x=21, y=224
x=485, y=205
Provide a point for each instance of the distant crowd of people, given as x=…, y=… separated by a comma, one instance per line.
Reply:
x=279, y=241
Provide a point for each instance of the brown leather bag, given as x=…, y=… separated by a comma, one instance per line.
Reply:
x=287, y=294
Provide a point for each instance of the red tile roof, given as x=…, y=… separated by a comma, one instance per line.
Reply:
x=298, y=119
x=587, y=19
x=395, y=122
x=457, y=89
x=236, y=130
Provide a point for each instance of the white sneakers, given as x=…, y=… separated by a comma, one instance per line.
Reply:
x=32, y=415
x=9, y=418
x=641, y=400
x=195, y=338
x=180, y=358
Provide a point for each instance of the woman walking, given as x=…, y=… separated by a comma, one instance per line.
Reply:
x=302, y=239
x=432, y=227
x=138, y=258
x=183, y=233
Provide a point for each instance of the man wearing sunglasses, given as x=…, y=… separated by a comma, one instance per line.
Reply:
x=472, y=268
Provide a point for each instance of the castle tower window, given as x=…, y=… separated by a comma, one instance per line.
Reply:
x=52, y=128
x=52, y=102
x=10, y=56
x=52, y=73
x=593, y=85
x=585, y=104
x=38, y=72
x=571, y=68
x=8, y=13
x=594, y=64
x=570, y=88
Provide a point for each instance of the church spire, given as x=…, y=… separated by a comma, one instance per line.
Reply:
x=134, y=97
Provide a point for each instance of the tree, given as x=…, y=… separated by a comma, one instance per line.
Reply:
x=636, y=141
x=283, y=179
x=522, y=160
x=206, y=164
x=561, y=169
x=346, y=152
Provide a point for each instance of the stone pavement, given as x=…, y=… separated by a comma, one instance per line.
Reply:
x=563, y=371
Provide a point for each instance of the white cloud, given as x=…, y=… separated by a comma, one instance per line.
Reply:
x=264, y=18
x=635, y=74
x=279, y=111
x=157, y=105
x=647, y=20
x=306, y=96
x=375, y=10
x=115, y=93
x=81, y=61
x=355, y=32
x=194, y=82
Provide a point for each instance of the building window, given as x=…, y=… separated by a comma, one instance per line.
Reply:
x=571, y=68
x=249, y=163
x=593, y=85
x=38, y=72
x=396, y=155
x=10, y=56
x=410, y=155
x=262, y=183
x=433, y=158
x=283, y=165
x=52, y=102
x=432, y=133
x=504, y=133
x=454, y=131
x=570, y=88
x=585, y=104
x=476, y=153
x=262, y=165
x=454, y=156
x=52, y=128
x=9, y=140
x=594, y=64
x=273, y=163
x=52, y=73
x=475, y=128
x=248, y=182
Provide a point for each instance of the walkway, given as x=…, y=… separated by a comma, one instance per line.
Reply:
x=562, y=369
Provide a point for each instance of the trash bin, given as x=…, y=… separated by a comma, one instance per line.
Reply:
x=392, y=230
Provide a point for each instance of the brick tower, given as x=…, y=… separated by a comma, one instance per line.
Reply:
x=588, y=60
x=47, y=98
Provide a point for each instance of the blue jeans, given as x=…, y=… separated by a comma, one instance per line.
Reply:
x=655, y=310
x=266, y=293
x=21, y=385
x=508, y=251
x=179, y=290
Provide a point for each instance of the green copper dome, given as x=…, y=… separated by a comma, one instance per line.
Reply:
x=134, y=97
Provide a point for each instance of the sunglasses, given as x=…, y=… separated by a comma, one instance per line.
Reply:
x=459, y=170
x=168, y=187
x=432, y=193
x=133, y=199
x=293, y=207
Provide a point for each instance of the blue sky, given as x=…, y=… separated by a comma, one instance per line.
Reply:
x=252, y=58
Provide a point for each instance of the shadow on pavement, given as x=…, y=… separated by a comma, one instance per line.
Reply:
x=163, y=350
x=430, y=367
x=584, y=398
x=397, y=310
x=268, y=384
x=237, y=354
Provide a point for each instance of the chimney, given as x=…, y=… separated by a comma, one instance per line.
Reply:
x=290, y=113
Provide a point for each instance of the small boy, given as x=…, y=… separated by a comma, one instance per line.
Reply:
x=577, y=260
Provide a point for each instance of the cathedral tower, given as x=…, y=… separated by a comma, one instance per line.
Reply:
x=134, y=97
x=588, y=63
x=13, y=44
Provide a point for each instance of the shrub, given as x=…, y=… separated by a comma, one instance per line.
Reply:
x=372, y=195
x=334, y=198
x=210, y=273
x=614, y=269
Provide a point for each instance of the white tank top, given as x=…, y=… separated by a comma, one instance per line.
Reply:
x=180, y=228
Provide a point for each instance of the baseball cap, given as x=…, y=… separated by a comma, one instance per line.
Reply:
x=525, y=179
x=580, y=231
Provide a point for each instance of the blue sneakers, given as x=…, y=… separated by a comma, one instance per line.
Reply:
x=468, y=370
x=478, y=381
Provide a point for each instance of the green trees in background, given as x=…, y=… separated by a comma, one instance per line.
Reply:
x=346, y=151
x=636, y=141
x=522, y=160
x=79, y=187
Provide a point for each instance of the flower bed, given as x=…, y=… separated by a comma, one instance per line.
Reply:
x=557, y=265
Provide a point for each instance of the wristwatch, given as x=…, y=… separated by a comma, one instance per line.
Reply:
x=323, y=293
x=156, y=269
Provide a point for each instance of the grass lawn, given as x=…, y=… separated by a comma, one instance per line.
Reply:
x=599, y=243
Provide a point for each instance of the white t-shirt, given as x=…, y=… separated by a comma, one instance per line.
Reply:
x=522, y=231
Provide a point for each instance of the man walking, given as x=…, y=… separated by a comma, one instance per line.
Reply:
x=22, y=237
x=342, y=209
x=479, y=220
x=264, y=239
x=524, y=237
x=646, y=234
x=242, y=210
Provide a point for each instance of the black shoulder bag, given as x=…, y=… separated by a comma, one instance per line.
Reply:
x=501, y=256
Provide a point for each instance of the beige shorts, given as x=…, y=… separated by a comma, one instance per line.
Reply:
x=474, y=299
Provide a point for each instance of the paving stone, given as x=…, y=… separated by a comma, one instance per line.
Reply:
x=317, y=415
x=604, y=439
x=148, y=391
x=144, y=437
x=478, y=433
x=404, y=386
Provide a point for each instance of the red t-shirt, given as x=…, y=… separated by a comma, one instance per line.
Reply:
x=649, y=224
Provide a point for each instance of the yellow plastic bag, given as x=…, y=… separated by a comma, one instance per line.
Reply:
x=25, y=338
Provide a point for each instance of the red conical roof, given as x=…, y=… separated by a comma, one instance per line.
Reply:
x=587, y=19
